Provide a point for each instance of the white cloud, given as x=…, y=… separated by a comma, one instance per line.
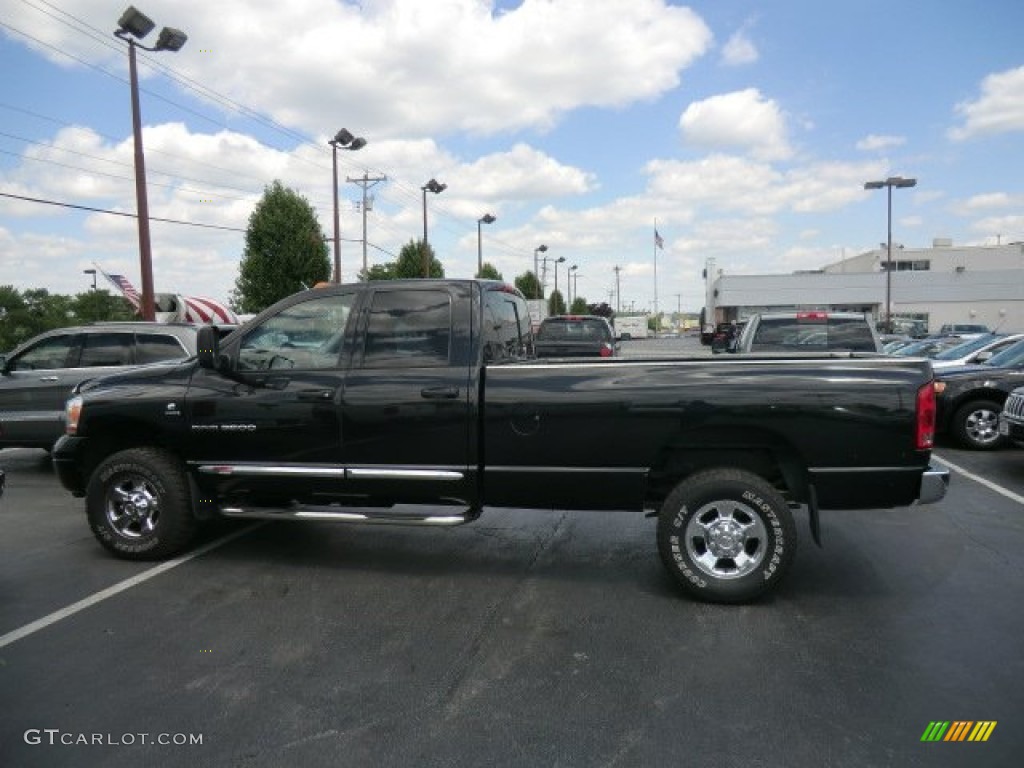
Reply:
x=873, y=142
x=999, y=109
x=400, y=67
x=743, y=119
x=739, y=49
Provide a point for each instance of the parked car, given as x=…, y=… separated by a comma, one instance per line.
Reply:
x=38, y=376
x=973, y=351
x=575, y=336
x=1011, y=419
x=970, y=398
x=964, y=330
x=929, y=347
x=808, y=332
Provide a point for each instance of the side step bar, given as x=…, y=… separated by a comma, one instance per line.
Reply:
x=355, y=515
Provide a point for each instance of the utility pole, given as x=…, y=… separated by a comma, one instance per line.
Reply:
x=618, y=290
x=365, y=182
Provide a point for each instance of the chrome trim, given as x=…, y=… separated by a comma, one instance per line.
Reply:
x=934, y=483
x=340, y=473
x=364, y=473
x=568, y=470
x=268, y=470
x=855, y=470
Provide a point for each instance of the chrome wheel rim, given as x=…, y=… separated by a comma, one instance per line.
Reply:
x=726, y=539
x=133, y=507
x=982, y=426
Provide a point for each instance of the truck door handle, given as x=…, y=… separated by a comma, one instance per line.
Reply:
x=318, y=395
x=49, y=378
x=439, y=393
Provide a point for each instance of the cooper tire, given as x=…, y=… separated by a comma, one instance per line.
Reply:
x=726, y=535
x=976, y=425
x=138, y=505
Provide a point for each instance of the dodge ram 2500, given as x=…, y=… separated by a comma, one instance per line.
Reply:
x=420, y=402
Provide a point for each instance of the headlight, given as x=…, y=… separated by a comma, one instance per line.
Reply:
x=72, y=413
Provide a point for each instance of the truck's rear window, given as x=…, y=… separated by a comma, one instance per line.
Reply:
x=813, y=333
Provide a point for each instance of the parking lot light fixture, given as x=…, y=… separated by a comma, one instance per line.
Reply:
x=487, y=218
x=437, y=188
x=900, y=183
x=345, y=140
x=132, y=26
x=536, y=272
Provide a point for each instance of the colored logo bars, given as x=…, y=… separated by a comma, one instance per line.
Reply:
x=958, y=730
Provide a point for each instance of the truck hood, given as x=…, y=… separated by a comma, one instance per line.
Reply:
x=144, y=374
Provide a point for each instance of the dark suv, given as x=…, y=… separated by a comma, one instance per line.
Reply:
x=37, y=377
x=575, y=336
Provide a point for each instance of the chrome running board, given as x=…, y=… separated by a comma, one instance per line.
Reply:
x=405, y=515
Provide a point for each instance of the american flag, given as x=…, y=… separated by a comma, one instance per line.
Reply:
x=126, y=288
x=658, y=241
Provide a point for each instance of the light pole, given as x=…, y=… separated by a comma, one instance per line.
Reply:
x=437, y=188
x=487, y=218
x=536, y=272
x=557, y=261
x=135, y=24
x=345, y=140
x=899, y=182
x=571, y=283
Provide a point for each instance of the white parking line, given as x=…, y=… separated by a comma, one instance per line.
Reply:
x=121, y=586
x=979, y=479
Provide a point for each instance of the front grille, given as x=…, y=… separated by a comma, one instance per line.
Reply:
x=1014, y=407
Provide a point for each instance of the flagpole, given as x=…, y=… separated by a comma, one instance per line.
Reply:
x=657, y=324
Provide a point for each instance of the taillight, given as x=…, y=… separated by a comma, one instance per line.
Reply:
x=925, y=417
x=606, y=350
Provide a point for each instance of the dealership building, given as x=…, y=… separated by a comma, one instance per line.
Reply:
x=938, y=285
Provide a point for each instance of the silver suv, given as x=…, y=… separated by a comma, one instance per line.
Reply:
x=813, y=331
x=38, y=376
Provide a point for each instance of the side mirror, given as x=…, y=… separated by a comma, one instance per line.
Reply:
x=208, y=347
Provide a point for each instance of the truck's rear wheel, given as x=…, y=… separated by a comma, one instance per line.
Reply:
x=138, y=505
x=726, y=535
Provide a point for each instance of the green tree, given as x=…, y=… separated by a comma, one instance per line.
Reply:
x=489, y=272
x=285, y=250
x=99, y=305
x=556, y=304
x=381, y=271
x=579, y=306
x=528, y=285
x=410, y=260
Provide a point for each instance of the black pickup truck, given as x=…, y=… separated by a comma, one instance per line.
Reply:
x=420, y=402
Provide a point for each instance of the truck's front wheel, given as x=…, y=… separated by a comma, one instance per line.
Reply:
x=138, y=504
x=726, y=535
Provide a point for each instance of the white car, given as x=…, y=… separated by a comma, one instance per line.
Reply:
x=974, y=351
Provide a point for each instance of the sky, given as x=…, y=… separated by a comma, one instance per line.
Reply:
x=741, y=131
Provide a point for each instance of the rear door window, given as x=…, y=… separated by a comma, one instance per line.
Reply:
x=156, y=348
x=106, y=350
x=408, y=328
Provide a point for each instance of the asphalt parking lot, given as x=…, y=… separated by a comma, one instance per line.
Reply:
x=524, y=639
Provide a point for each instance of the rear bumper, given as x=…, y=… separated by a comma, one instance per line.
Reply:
x=934, y=483
x=68, y=460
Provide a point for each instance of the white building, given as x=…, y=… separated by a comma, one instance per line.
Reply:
x=937, y=285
